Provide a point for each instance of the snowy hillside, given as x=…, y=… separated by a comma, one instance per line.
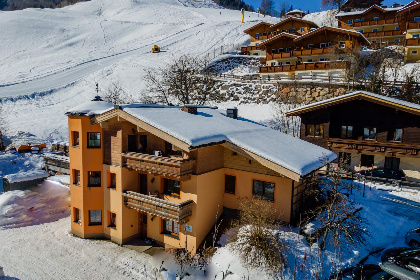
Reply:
x=52, y=59
x=324, y=18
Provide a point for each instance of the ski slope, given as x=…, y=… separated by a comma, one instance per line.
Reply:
x=51, y=59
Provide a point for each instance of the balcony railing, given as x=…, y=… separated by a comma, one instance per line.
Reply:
x=413, y=25
x=297, y=53
x=375, y=22
x=177, y=212
x=412, y=42
x=384, y=33
x=305, y=66
x=249, y=48
x=167, y=166
x=374, y=147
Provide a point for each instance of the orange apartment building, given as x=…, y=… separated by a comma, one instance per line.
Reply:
x=323, y=51
x=263, y=31
x=167, y=173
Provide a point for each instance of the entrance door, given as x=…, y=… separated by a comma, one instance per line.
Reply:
x=143, y=225
x=143, y=184
x=132, y=143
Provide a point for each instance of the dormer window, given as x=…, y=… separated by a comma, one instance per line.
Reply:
x=376, y=18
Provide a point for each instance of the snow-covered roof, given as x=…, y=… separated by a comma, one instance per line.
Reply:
x=211, y=126
x=90, y=108
x=336, y=29
x=294, y=12
x=291, y=18
x=360, y=12
x=26, y=176
x=386, y=99
x=56, y=157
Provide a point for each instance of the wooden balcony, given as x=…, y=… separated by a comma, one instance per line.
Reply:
x=305, y=66
x=370, y=146
x=375, y=22
x=413, y=25
x=384, y=33
x=249, y=48
x=167, y=166
x=412, y=42
x=298, y=53
x=177, y=212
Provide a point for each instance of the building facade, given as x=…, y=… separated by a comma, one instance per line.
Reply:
x=167, y=173
x=366, y=130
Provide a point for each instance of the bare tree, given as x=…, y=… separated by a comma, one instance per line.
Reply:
x=333, y=3
x=340, y=221
x=183, y=82
x=267, y=7
x=116, y=95
x=255, y=241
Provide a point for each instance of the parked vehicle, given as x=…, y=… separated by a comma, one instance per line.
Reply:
x=412, y=238
x=370, y=272
x=385, y=173
x=402, y=262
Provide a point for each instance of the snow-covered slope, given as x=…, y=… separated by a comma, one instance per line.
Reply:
x=324, y=18
x=52, y=59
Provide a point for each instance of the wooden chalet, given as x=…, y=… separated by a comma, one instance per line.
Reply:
x=350, y=5
x=409, y=20
x=366, y=130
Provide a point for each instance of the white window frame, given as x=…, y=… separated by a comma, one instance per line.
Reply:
x=302, y=29
x=342, y=44
x=415, y=52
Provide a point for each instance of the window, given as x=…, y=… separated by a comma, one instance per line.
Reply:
x=342, y=44
x=75, y=138
x=283, y=30
x=230, y=182
x=76, y=177
x=325, y=45
x=375, y=30
x=287, y=63
x=366, y=160
x=94, y=178
x=94, y=140
x=315, y=130
x=392, y=163
x=77, y=216
x=112, y=220
x=374, y=41
x=279, y=63
x=95, y=217
x=256, y=35
x=397, y=28
x=302, y=29
x=416, y=36
x=280, y=50
x=346, y=131
x=396, y=40
x=288, y=49
x=395, y=135
x=264, y=33
x=369, y=133
x=310, y=46
x=112, y=181
x=324, y=59
x=375, y=18
x=309, y=60
x=292, y=30
x=170, y=227
x=274, y=51
x=172, y=187
x=361, y=31
x=263, y=190
x=344, y=158
x=350, y=22
x=272, y=63
x=414, y=52
x=416, y=18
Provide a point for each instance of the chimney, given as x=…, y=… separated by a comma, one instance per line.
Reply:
x=232, y=113
x=189, y=109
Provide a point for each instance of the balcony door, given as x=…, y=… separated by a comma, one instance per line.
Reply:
x=143, y=184
x=132, y=143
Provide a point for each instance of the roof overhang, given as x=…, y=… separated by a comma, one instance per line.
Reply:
x=294, y=19
x=248, y=31
x=350, y=97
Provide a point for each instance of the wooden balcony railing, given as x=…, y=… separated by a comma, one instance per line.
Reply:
x=375, y=22
x=305, y=66
x=394, y=148
x=177, y=212
x=167, y=166
x=249, y=48
x=412, y=42
x=297, y=53
x=384, y=33
x=413, y=25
